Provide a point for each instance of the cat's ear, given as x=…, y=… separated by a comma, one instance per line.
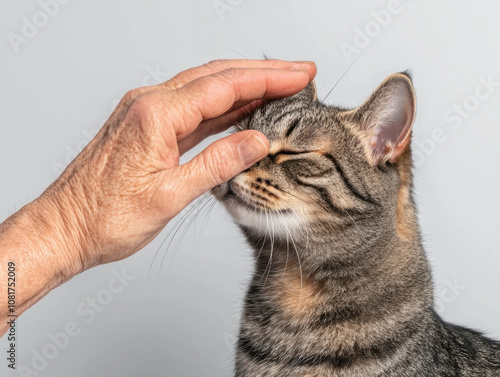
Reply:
x=385, y=120
x=309, y=93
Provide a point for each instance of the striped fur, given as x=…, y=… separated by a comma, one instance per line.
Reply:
x=342, y=286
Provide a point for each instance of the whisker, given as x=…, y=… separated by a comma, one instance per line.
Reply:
x=288, y=234
x=208, y=209
x=236, y=52
x=271, y=239
x=265, y=237
x=184, y=231
x=296, y=251
x=273, y=229
x=326, y=80
x=173, y=232
x=295, y=196
x=209, y=212
x=340, y=78
x=287, y=249
x=178, y=222
x=300, y=267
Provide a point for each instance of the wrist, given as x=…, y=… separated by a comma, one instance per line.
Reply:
x=45, y=241
x=36, y=241
x=59, y=223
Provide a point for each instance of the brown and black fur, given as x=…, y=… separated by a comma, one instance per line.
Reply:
x=342, y=286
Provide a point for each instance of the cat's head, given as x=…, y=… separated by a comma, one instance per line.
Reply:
x=330, y=170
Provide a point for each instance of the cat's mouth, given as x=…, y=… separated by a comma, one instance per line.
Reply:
x=253, y=210
x=249, y=199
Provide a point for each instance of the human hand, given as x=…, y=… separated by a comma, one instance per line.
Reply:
x=125, y=186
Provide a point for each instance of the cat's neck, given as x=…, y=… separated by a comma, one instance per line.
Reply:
x=390, y=265
x=347, y=296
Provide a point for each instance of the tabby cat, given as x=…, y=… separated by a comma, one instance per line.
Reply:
x=342, y=286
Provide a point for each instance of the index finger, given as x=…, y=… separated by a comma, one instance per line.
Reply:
x=211, y=96
x=215, y=66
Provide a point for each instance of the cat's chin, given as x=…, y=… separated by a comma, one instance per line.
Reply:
x=271, y=222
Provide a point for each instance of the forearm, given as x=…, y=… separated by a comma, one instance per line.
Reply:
x=34, y=242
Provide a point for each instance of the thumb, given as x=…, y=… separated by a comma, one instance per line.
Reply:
x=222, y=160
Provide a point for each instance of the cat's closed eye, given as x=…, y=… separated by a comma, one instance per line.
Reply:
x=308, y=167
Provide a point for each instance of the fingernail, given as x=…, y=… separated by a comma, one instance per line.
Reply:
x=253, y=148
x=304, y=62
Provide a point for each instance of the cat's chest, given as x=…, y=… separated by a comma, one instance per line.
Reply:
x=296, y=324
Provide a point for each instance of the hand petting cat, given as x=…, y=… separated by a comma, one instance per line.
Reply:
x=127, y=184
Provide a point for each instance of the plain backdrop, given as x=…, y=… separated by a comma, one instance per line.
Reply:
x=179, y=315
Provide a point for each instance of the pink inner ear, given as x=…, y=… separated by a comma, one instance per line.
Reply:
x=388, y=132
x=390, y=136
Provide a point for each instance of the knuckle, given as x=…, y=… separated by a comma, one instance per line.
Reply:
x=216, y=64
x=228, y=74
x=131, y=96
x=218, y=164
x=227, y=77
x=144, y=107
x=177, y=81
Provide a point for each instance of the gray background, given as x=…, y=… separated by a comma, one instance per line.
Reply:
x=64, y=82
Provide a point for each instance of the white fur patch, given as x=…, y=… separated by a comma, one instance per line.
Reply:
x=272, y=223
